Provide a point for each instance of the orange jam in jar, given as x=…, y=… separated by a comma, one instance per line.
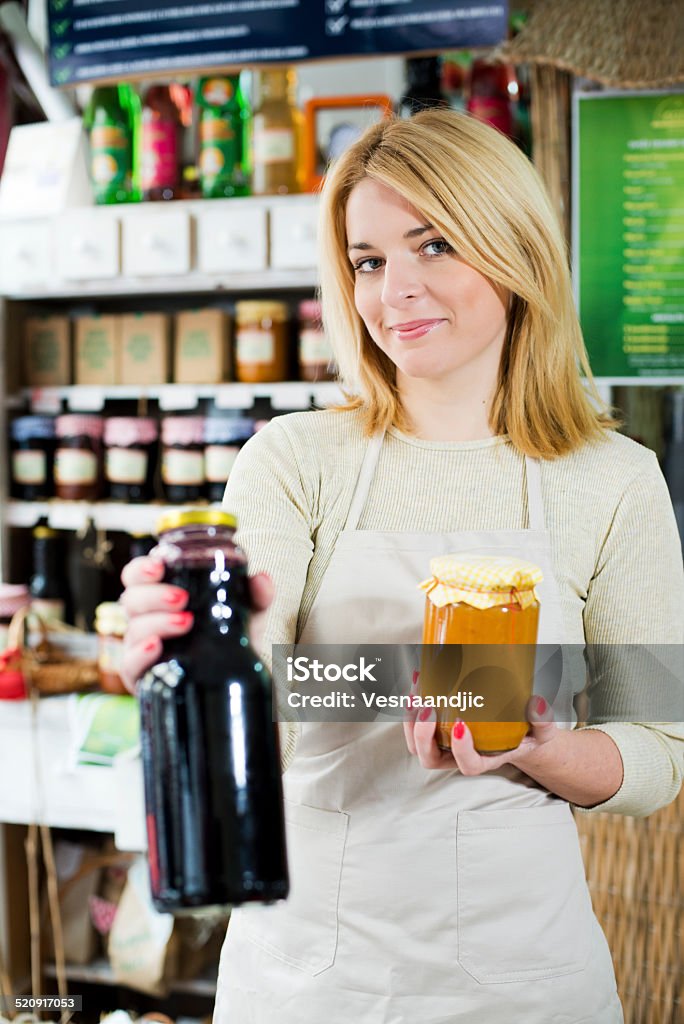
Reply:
x=479, y=646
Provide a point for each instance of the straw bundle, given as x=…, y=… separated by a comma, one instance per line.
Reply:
x=635, y=44
x=635, y=869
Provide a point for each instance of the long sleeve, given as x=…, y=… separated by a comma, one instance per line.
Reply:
x=634, y=627
x=269, y=498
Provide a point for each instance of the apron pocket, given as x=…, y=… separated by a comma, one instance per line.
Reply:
x=302, y=930
x=524, y=910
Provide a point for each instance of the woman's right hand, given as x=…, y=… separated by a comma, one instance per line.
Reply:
x=157, y=610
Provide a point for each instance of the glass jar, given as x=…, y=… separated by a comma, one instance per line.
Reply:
x=261, y=348
x=183, y=458
x=315, y=352
x=484, y=610
x=110, y=625
x=130, y=443
x=78, y=458
x=211, y=763
x=33, y=452
x=223, y=439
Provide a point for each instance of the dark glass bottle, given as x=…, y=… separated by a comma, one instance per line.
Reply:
x=673, y=463
x=423, y=86
x=211, y=764
x=48, y=587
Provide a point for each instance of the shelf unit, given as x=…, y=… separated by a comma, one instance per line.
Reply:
x=99, y=972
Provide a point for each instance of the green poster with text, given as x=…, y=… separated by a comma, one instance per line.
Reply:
x=629, y=239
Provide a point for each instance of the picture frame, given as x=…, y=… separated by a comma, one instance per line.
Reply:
x=332, y=123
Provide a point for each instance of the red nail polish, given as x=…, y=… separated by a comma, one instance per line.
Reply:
x=175, y=597
x=459, y=730
x=424, y=714
x=541, y=705
x=150, y=645
x=181, y=619
x=415, y=678
x=151, y=571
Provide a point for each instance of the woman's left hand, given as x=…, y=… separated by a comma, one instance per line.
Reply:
x=419, y=729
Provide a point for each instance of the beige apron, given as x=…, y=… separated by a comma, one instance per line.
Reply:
x=417, y=896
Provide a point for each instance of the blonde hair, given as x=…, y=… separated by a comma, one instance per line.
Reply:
x=486, y=199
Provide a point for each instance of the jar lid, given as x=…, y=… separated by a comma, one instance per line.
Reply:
x=13, y=597
x=222, y=430
x=111, y=618
x=79, y=425
x=26, y=427
x=183, y=430
x=124, y=431
x=177, y=519
x=482, y=581
x=255, y=310
x=310, y=309
x=44, y=532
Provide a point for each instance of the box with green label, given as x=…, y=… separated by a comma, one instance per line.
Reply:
x=97, y=349
x=47, y=351
x=145, y=349
x=201, y=350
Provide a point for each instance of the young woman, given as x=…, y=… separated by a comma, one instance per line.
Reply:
x=440, y=886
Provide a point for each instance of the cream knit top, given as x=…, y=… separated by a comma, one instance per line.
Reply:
x=615, y=546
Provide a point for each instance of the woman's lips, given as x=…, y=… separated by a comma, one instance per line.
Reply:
x=415, y=328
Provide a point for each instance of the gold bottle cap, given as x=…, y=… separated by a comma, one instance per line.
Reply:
x=194, y=517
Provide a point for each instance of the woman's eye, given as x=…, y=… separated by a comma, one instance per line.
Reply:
x=437, y=247
x=367, y=264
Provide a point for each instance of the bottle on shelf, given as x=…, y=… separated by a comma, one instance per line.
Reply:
x=673, y=462
x=224, y=120
x=491, y=90
x=423, y=86
x=211, y=764
x=112, y=119
x=454, y=78
x=277, y=126
x=160, y=144
x=49, y=589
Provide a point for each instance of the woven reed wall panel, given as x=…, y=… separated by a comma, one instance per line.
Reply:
x=635, y=868
x=550, y=117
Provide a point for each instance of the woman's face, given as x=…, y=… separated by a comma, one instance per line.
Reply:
x=434, y=316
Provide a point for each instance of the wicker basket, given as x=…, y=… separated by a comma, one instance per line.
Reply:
x=47, y=667
x=635, y=868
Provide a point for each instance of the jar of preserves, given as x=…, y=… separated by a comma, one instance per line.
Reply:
x=130, y=448
x=183, y=458
x=33, y=449
x=261, y=341
x=110, y=625
x=78, y=458
x=223, y=439
x=211, y=763
x=479, y=646
x=314, y=349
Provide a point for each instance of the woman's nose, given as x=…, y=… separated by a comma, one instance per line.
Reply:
x=401, y=283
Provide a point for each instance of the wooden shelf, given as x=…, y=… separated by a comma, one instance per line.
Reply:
x=99, y=972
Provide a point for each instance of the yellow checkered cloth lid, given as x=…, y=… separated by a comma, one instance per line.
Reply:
x=482, y=581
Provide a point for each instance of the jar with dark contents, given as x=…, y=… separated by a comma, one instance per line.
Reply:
x=316, y=360
x=78, y=457
x=183, y=458
x=33, y=450
x=261, y=342
x=223, y=440
x=130, y=450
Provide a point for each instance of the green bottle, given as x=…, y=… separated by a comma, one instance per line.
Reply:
x=223, y=137
x=112, y=119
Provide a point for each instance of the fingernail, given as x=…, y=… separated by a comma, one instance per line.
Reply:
x=541, y=705
x=424, y=714
x=415, y=678
x=150, y=645
x=459, y=730
x=181, y=619
x=175, y=597
x=153, y=571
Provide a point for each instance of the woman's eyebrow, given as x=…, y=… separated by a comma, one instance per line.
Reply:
x=413, y=233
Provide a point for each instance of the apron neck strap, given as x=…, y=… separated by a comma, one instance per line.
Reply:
x=363, y=481
x=535, y=504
